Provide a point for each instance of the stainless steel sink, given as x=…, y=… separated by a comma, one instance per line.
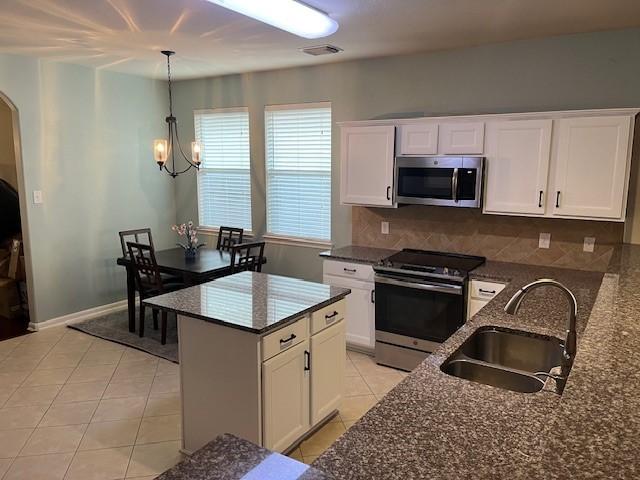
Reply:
x=514, y=349
x=510, y=359
x=489, y=375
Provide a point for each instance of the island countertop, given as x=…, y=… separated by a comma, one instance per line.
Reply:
x=251, y=301
x=435, y=426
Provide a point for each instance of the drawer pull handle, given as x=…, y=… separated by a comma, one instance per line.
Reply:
x=332, y=317
x=349, y=270
x=284, y=341
x=488, y=292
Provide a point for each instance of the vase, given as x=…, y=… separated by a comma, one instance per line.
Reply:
x=190, y=253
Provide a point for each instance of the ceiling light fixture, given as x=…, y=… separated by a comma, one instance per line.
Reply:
x=289, y=15
x=163, y=148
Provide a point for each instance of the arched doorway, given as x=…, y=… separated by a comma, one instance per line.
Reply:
x=16, y=293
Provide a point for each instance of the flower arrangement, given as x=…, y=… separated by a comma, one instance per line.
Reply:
x=190, y=233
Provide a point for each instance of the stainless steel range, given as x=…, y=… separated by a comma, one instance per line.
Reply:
x=420, y=301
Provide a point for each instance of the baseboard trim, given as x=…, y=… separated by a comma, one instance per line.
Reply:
x=81, y=316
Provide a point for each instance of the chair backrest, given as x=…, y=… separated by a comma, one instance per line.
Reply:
x=228, y=237
x=247, y=256
x=146, y=268
x=140, y=235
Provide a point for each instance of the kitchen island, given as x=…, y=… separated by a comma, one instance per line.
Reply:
x=261, y=356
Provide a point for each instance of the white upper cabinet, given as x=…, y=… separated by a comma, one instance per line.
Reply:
x=517, y=163
x=418, y=139
x=591, y=168
x=463, y=138
x=367, y=160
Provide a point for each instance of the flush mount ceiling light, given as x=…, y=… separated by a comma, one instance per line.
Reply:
x=289, y=15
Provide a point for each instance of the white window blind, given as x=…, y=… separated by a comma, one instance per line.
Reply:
x=224, y=179
x=298, y=161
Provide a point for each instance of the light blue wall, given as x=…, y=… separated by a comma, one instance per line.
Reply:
x=86, y=141
x=598, y=70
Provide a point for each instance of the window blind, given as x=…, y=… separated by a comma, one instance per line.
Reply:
x=298, y=165
x=224, y=179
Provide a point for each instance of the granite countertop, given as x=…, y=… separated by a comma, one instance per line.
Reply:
x=231, y=458
x=435, y=426
x=355, y=253
x=251, y=301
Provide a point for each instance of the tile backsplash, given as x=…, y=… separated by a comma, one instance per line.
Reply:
x=497, y=237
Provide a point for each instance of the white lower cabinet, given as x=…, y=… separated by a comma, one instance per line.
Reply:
x=303, y=385
x=360, y=308
x=328, y=352
x=481, y=292
x=285, y=381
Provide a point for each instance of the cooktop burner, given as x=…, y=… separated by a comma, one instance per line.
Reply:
x=427, y=263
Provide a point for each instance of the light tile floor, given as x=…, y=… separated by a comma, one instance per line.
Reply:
x=73, y=406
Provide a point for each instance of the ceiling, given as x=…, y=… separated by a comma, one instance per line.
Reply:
x=127, y=35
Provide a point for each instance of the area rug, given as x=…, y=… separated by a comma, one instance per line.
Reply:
x=115, y=327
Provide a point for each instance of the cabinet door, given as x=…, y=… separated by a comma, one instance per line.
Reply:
x=360, y=311
x=328, y=352
x=474, y=307
x=419, y=139
x=367, y=159
x=591, y=167
x=462, y=138
x=285, y=386
x=517, y=164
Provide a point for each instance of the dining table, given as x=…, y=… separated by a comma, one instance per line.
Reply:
x=207, y=265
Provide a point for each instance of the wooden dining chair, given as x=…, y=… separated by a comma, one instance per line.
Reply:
x=139, y=235
x=150, y=283
x=247, y=257
x=228, y=237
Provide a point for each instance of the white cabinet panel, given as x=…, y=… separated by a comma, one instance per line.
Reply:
x=367, y=159
x=286, y=397
x=328, y=352
x=591, y=167
x=517, y=164
x=419, y=139
x=474, y=306
x=461, y=138
x=360, y=311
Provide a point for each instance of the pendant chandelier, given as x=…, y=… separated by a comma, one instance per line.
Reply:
x=165, y=149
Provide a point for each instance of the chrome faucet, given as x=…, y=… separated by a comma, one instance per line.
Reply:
x=570, y=344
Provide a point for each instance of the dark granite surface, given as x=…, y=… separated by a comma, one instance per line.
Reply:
x=251, y=301
x=355, y=253
x=231, y=458
x=435, y=426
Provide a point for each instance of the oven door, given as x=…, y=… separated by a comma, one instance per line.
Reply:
x=411, y=312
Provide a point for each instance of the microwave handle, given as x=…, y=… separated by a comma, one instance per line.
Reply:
x=454, y=185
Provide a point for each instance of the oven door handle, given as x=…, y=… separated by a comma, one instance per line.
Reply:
x=454, y=185
x=431, y=287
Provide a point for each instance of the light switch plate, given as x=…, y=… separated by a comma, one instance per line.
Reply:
x=384, y=228
x=544, y=241
x=37, y=197
x=589, y=244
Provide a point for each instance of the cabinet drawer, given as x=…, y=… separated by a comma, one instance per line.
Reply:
x=285, y=338
x=327, y=316
x=485, y=290
x=358, y=271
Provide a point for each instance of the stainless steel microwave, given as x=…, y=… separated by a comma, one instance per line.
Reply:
x=444, y=181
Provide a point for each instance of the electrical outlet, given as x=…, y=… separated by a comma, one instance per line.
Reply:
x=37, y=197
x=544, y=241
x=384, y=228
x=589, y=244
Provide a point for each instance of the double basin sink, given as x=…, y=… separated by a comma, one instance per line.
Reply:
x=510, y=359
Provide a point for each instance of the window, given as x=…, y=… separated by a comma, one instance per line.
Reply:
x=224, y=179
x=298, y=163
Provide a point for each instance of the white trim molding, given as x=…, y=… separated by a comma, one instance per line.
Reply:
x=297, y=241
x=81, y=316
